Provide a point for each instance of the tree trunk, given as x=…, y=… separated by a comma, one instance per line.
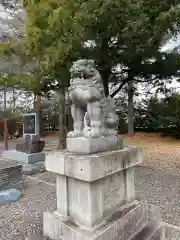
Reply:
x=105, y=74
x=34, y=102
x=62, y=127
x=130, y=110
x=106, y=86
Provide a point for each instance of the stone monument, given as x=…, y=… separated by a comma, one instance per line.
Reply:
x=96, y=198
x=29, y=152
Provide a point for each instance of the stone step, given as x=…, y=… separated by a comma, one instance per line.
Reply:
x=30, y=169
x=37, y=236
x=151, y=232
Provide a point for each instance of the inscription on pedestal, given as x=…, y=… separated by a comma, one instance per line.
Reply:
x=123, y=225
x=110, y=163
x=79, y=201
x=127, y=226
x=113, y=190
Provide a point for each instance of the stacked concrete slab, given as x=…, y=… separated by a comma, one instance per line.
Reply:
x=10, y=175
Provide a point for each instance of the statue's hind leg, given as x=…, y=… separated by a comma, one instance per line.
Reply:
x=87, y=124
x=94, y=112
x=78, y=118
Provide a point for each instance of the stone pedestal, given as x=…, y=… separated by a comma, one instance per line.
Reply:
x=96, y=196
x=94, y=145
x=122, y=225
x=24, y=158
x=30, y=146
x=31, y=163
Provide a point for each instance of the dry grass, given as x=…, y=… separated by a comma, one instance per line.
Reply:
x=159, y=151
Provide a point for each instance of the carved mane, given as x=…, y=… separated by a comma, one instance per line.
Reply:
x=84, y=73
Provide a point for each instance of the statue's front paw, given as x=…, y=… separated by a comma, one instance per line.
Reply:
x=86, y=130
x=92, y=134
x=74, y=134
x=87, y=134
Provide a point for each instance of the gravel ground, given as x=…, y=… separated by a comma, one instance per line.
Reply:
x=175, y=235
x=158, y=179
x=25, y=216
x=161, y=188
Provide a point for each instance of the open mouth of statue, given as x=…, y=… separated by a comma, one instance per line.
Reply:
x=77, y=74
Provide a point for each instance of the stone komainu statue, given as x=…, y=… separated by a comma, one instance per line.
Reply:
x=93, y=113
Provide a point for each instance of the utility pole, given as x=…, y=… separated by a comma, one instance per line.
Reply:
x=38, y=112
x=130, y=110
x=5, y=121
x=62, y=121
x=14, y=99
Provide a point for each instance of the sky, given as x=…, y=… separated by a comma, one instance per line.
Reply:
x=3, y=16
x=9, y=27
x=171, y=44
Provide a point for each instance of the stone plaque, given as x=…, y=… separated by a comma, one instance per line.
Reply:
x=127, y=226
x=113, y=190
x=123, y=225
x=30, y=124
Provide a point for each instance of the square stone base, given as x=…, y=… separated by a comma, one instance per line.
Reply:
x=24, y=158
x=30, y=147
x=84, y=145
x=91, y=187
x=125, y=224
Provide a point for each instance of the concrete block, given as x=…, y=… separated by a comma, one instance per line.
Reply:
x=92, y=187
x=123, y=225
x=24, y=158
x=30, y=169
x=129, y=184
x=92, y=195
x=152, y=231
x=94, y=166
x=55, y=162
x=89, y=203
x=62, y=194
x=92, y=145
x=30, y=147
